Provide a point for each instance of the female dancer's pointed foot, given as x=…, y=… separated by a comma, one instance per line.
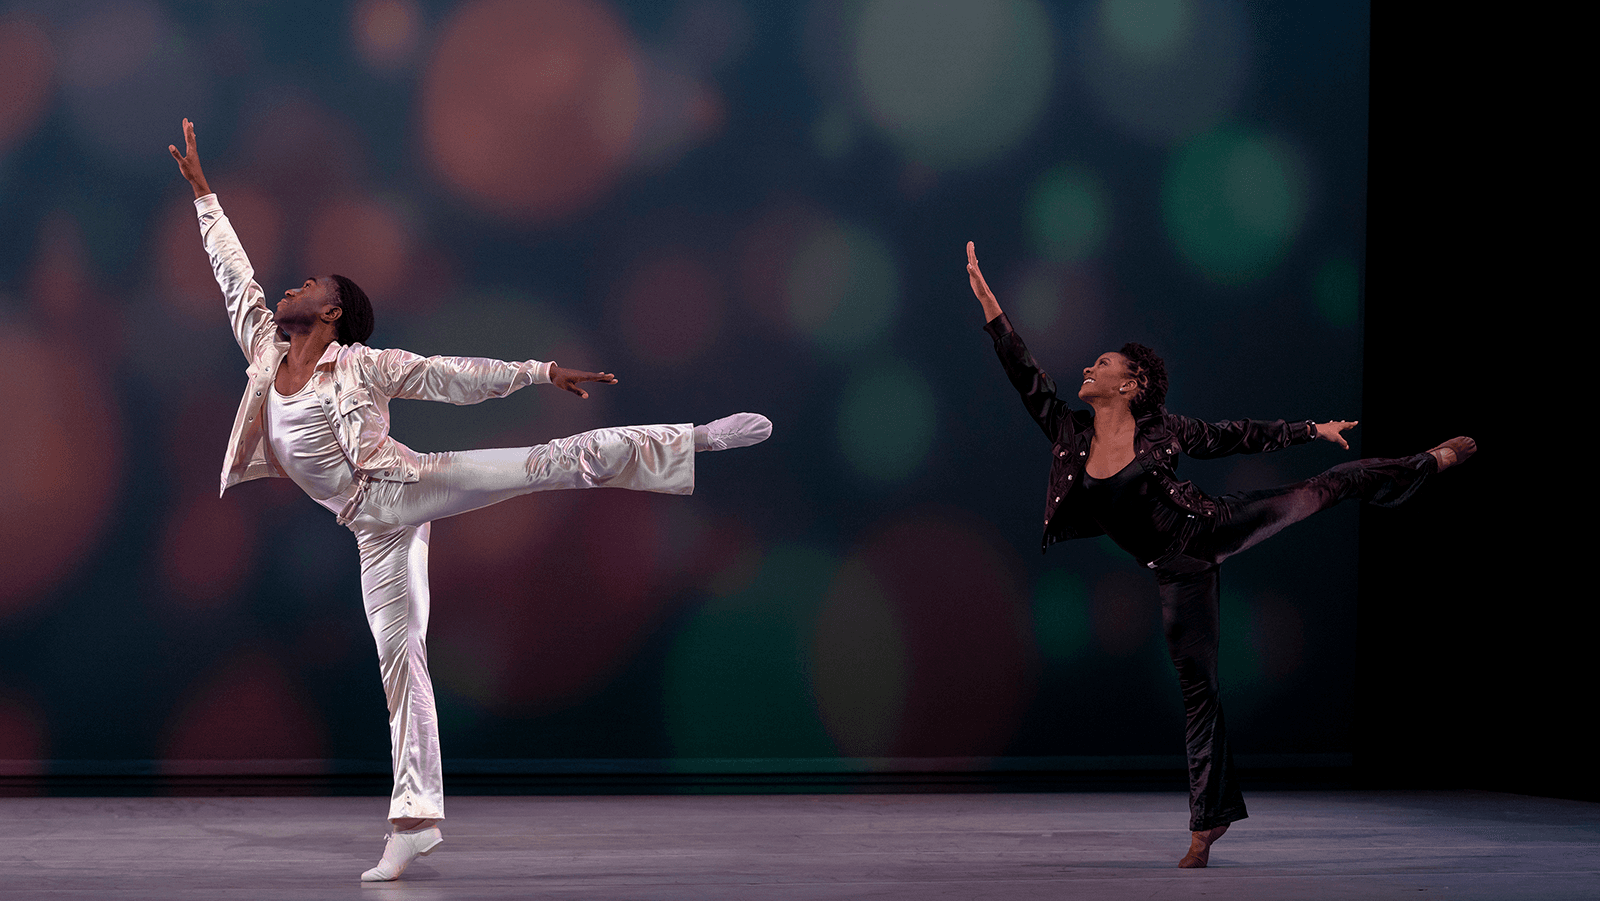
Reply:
x=1200, y=847
x=738, y=430
x=402, y=849
x=1454, y=451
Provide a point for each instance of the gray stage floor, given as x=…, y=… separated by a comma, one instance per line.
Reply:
x=1296, y=845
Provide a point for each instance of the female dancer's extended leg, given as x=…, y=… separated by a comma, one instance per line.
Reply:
x=1189, y=588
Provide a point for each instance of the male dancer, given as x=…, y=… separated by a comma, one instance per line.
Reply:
x=317, y=411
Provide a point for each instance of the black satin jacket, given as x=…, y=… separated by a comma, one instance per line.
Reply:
x=1160, y=438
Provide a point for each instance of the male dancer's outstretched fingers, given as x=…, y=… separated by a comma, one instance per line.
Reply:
x=1329, y=431
x=568, y=379
x=189, y=162
x=980, y=288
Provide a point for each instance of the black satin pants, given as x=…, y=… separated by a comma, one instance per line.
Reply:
x=1189, y=590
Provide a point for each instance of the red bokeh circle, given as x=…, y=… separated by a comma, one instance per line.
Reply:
x=529, y=108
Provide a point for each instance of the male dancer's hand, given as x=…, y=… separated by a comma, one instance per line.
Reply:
x=189, y=163
x=568, y=379
x=1329, y=431
x=991, y=307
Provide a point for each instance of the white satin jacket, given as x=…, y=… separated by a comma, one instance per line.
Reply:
x=353, y=383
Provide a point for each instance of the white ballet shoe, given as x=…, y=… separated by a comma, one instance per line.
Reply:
x=402, y=849
x=738, y=430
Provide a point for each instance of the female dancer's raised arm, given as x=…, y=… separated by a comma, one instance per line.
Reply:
x=1113, y=472
x=991, y=307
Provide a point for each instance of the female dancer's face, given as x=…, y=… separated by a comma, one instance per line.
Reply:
x=1106, y=377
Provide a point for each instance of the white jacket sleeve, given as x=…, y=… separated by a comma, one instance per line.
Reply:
x=253, y=325
x=455, y=380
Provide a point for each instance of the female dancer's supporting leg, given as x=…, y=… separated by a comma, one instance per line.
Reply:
x=1190, y=613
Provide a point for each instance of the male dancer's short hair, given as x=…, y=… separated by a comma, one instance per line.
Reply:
x=1151, y=374
x=355, y=322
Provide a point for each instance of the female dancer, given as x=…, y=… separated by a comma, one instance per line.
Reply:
x=1112, y=473
x=317, y=411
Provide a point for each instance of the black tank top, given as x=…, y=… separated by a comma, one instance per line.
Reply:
x=1131, y=510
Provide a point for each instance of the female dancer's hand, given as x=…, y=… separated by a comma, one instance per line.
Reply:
x=1329, y=431
x=189, y=162
x=568, y=379
x=991, y=307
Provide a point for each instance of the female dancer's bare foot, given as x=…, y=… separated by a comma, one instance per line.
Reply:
x=1200, y=847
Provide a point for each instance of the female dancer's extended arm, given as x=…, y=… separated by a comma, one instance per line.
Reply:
x=1209, y=440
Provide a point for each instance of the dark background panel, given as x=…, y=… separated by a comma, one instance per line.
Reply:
x=783, y=231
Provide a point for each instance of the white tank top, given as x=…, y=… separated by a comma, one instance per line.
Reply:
x=303, y=442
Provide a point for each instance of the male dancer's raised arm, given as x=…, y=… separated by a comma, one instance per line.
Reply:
x=253, y=324
x=460, y=380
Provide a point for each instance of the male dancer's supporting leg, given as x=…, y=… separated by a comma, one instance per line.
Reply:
x=392, y=532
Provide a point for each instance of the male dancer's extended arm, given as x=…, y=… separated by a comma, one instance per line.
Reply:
x=253, y=325
x=464, y=380
x=467, y=380
x=452, y=380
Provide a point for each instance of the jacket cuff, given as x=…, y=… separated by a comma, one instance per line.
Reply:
x=999, y=326
x=207, y=204
x=541, y=371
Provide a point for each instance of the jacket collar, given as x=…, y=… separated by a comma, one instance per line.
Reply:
x=330, y=355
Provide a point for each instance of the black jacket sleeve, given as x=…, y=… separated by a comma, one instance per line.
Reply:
x=1038, y=390
x=1207, y=440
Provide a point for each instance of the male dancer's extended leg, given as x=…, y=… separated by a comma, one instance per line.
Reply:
x=656, y=458
x=392, y=531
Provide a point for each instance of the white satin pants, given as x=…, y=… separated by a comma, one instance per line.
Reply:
x=392, y=531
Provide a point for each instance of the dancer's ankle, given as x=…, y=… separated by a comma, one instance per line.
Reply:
x=1200, y=847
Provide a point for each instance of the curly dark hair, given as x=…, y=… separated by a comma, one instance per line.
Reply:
x=355, y=320
x=1151, y=373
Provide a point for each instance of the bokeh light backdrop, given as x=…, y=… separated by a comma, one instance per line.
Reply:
x=732, y=205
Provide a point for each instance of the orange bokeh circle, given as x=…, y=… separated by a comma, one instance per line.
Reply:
x=27, y=78
x=671, y=307
x=364, y=240
x=529, y=108
x=60, y=464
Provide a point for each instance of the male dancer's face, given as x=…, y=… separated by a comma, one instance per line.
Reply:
x=301, y=307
